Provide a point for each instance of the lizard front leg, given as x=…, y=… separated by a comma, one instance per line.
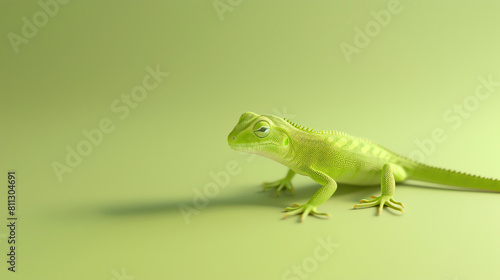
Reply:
x=280, y=184
x=322, y=195
x=388, y=187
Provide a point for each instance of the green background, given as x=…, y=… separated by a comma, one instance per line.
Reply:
x=119, y=208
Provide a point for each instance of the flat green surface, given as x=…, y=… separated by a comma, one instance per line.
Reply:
x=117, y=213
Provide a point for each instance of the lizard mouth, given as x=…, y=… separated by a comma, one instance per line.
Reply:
x=249, y=147
x=244, y=146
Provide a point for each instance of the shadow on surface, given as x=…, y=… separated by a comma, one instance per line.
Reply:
x=249, y=196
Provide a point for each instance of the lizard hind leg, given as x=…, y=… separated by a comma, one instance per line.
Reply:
x=388, y=187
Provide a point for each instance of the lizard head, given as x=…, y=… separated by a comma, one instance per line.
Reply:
x=259, y=134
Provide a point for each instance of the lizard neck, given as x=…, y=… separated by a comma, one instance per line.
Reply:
x=291, y=156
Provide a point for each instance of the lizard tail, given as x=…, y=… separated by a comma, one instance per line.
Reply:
x=426, y=173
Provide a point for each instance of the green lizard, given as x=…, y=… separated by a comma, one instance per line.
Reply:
x=328, y=157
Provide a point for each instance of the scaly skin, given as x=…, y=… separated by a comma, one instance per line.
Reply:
x=329, y=157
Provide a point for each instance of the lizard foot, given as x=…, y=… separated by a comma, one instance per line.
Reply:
x=381, y=201
x=279, y=185
x=304, y=209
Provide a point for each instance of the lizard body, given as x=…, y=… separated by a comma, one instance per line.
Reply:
x=329, y=157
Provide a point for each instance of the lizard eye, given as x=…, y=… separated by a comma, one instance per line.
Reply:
x=262, y=129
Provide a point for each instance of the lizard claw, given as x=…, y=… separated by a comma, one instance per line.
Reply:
x=304, y=210
x=380, y=201
x=279, y=185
